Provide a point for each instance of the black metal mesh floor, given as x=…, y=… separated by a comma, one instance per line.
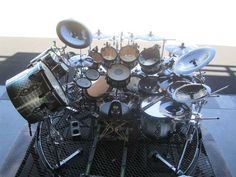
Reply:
x=108, y=157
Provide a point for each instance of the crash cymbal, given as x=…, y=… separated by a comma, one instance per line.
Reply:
x=81, y=61
x=179, y=50
x=191, y=92
x=150, y=37
x=193, y=61
x=101, y=36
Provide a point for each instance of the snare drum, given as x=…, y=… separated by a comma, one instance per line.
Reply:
x=35, y=89
x=97, y=89
x=109, y=55
x=149, y=60
x=51, y=59
x=118, y=75
x=129, y=56
x=160, y=119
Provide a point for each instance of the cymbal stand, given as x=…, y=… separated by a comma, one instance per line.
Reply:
x=192, y=130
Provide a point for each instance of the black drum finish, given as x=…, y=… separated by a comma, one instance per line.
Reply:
x=149, y=60
x=51, y=59
x=149, y=85
x=34, y=90
x=118, y=76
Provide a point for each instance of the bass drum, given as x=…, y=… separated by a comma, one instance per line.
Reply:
x=97, y=89
x=159, y=120
x=52, y=60
x=34, y=90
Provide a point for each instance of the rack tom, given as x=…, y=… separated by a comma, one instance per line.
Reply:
x=118, y=75
x=149, y=60
x=109, y=56
x=129, y=55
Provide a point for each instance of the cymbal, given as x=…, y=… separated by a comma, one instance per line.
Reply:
x=74, y=34
x=179, y=50
x=100, y=36
x=193, y=61
x=150, y=37
x=191, y=92
x=81, y=61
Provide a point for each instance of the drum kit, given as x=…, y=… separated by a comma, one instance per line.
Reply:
x=125, y=85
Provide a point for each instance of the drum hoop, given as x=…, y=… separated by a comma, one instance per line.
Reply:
x=109, y=73
x=49, y=85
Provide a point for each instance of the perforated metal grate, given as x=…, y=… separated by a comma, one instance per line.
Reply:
x=108, y=158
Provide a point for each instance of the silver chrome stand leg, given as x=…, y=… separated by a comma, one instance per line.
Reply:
x=192, y=130
x=124, y=156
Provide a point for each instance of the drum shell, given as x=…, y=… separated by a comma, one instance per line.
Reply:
x=150, y=53
x=153, y=69
x=97, y=59
x=52, y=61
x=31, y=90
x=156, y=128
x=118, y=83
x=98, y=89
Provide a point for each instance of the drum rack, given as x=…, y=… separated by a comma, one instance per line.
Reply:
x=111, y=156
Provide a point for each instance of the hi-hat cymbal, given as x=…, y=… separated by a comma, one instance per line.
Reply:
x=193, y=61
x=100, y=36
x=81, y=61
x=179, y=50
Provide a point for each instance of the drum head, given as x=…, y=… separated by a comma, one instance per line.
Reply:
x=97, y=57
x=129, y=54
x=153, y=110
x=118, y=72
x=54, y=83
x=92, y=74
x=109, y=53
x=174, y=109
x=83, y=83
x=149, y=85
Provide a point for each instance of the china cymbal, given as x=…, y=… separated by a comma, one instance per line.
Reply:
x=193, y=61
x=74, y=34
x=100, y=36
x=81, y=61
x=179, y=50
x=191, y=92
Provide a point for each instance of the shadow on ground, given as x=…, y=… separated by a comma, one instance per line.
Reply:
x=220, y=75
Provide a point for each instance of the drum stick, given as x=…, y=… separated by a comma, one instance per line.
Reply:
x=154, y=101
